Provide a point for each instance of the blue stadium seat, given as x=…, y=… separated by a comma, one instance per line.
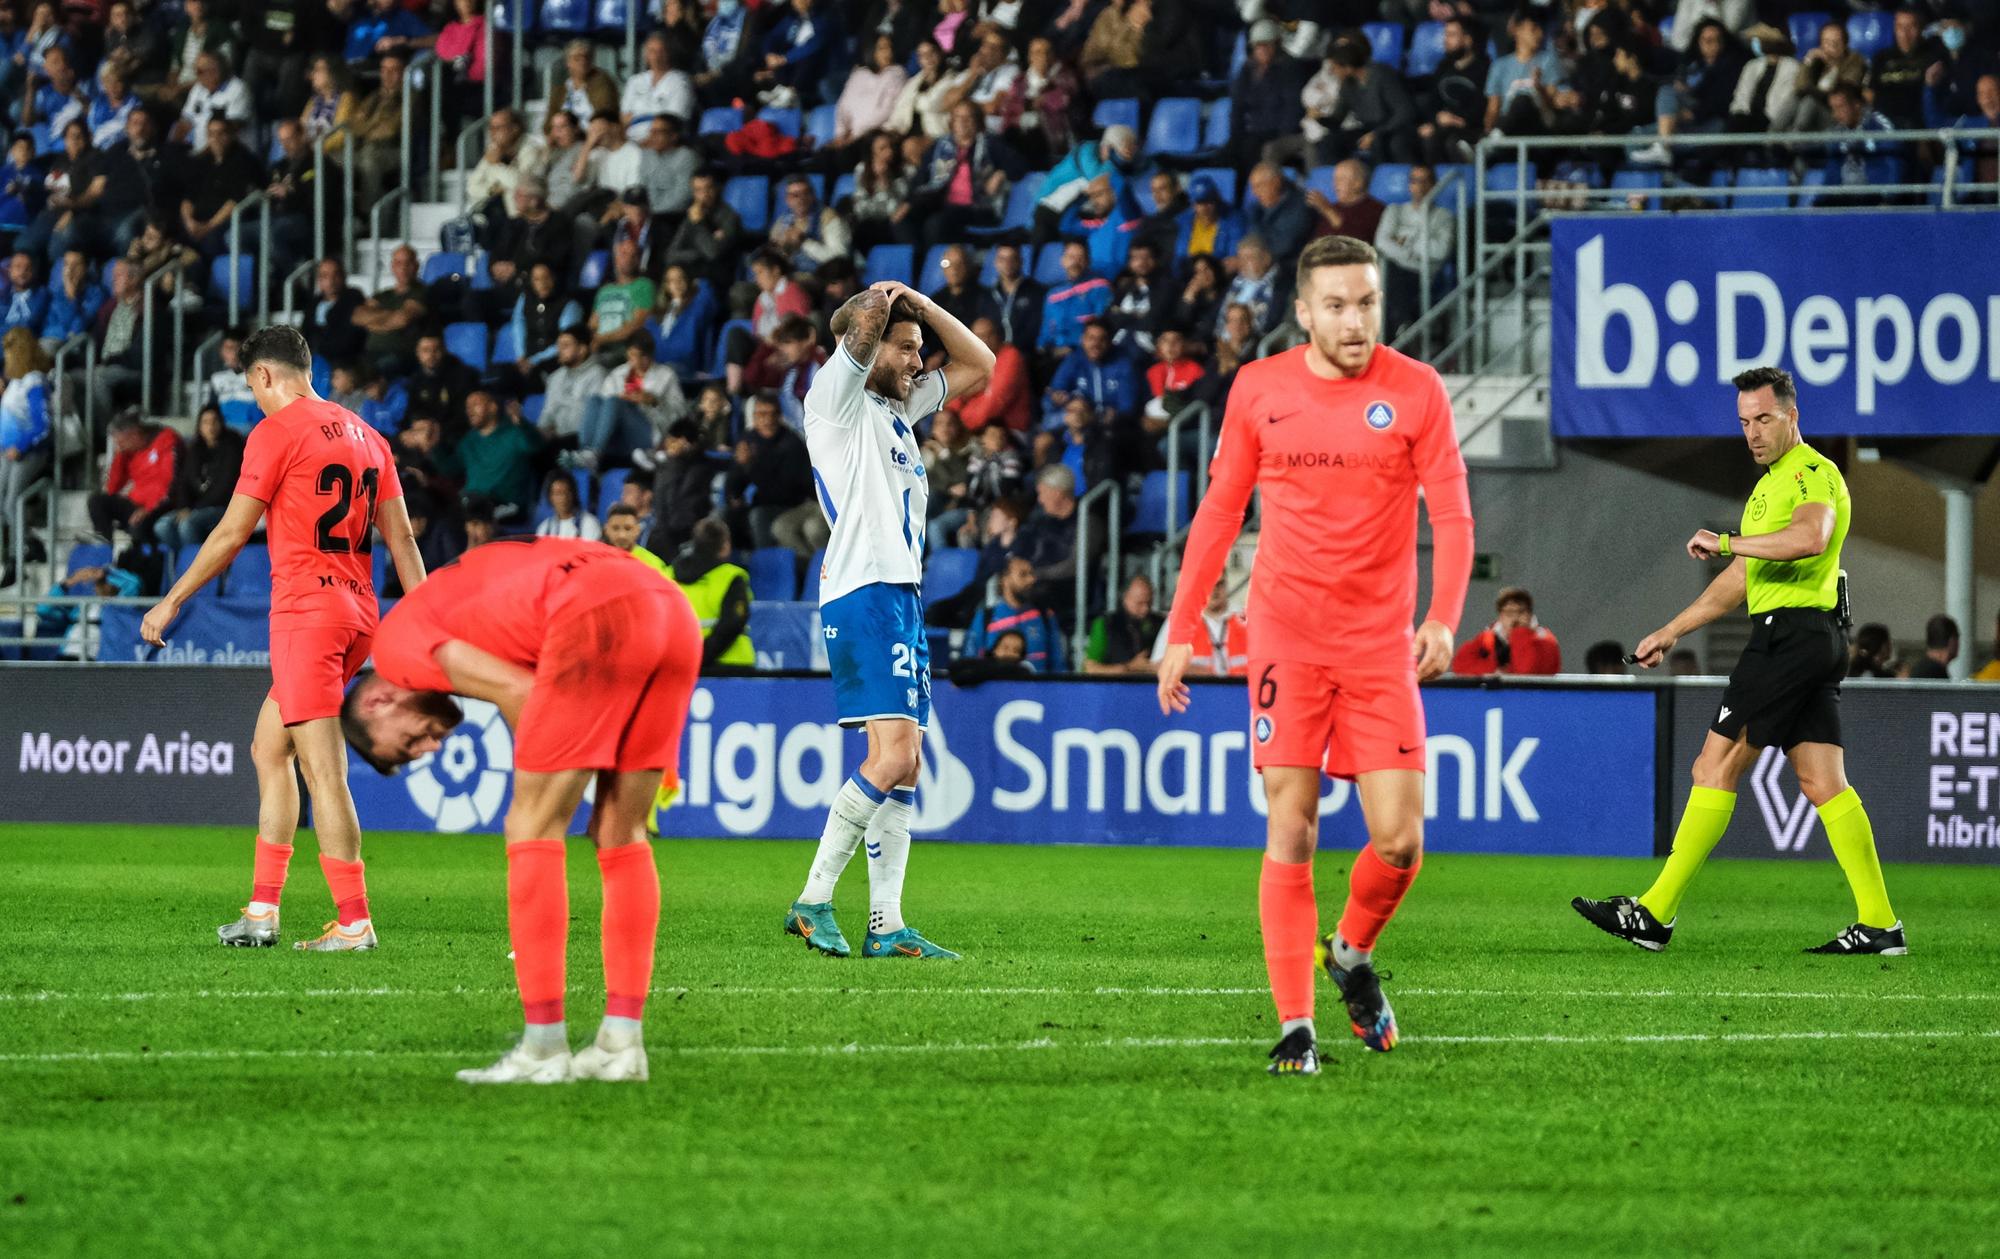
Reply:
x=1426, y=50
x=1224, y=177
x=949, y=570
x=1886, y=169
x=1505, y=177
x=1120, y=111
x=890, y=262
x=1320, y=180
x=843, y=187
x=482, y=272
x=1149, y=515
x=88, y=555
x=1239, y=52
x=1215, y=129
x=506, y=344
x=322, y=375
x=246, y=280
x=1385, y=43
x=1640, y=181
x=611, y=14
x=182, y=559
x=1020, y=212
x=1805, y=30
x=787, y=121
x=1813, y=178
x=566, y=17
x=1776, y=182
x=249, y=575
x=820, y=125
x=592, y=272
x=1455, y=197
x=810, y=591
x=1175, y=127
x=774, y=574
x=1048, y=266
x=1390, y=183
x=719, y=364
x=531, y=407
x=441, y=264
x=750, y=197
x=931, y=278
x=504, y=12
x=1868, y=33
x=610, y=486
x=468, y=342
x=241, y=414
x=721, y=120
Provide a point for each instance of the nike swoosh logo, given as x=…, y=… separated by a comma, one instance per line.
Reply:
x=1407, y=750
x=1279, y=419
x=909, y=950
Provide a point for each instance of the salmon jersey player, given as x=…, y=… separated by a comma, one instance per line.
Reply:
x=591, y=659
x=1339, y=435
x=324, y=479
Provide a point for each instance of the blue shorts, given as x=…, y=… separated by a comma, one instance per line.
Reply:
x=879, y=654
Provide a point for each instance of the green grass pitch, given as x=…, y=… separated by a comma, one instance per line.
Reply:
x=1088, y=1081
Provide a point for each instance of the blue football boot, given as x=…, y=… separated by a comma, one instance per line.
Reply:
x=815, y=925
x=903, y=943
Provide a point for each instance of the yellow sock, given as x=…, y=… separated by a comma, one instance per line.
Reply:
x=1853, y=840
x=1702, y=825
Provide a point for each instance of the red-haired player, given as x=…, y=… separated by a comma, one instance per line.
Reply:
x=1338, y=435
x=321, y=480
x=591, y=658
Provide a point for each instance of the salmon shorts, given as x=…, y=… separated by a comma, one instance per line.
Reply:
x=1342, y=721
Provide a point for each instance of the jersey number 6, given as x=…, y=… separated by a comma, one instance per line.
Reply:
x=1267, y=687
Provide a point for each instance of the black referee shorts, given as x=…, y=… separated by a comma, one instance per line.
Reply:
x=1786, y=688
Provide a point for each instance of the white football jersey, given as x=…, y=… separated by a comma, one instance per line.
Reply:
x=868, y=471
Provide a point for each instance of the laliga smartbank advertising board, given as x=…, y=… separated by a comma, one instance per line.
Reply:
x=1889, y=322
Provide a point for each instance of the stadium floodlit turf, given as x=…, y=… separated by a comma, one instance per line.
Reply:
x=1088, y=1081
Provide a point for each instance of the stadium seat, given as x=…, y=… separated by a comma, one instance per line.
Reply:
x=1215, y=128
x=949, y=570
x=1867, y=33
x=890, y=262
x=241, y=414
x=1640, y=181
x=809, y=593
x=610, y=487
x=1813, y=178
x=611, y=14
x=1048, y=266
x=322, y=375
x=531, y=407
x=1175, y=127
x=468, y=342
x=506, y=344
x=1886, y=169
x=720, y=121
x=182, y=559
x=1453, y=198
x=88, y=555
x=989, y=271
x=1667, y=29
x=566, y=17
x=750, y=197
x=719, y=364
x=504, y=12
x=482, y=271
x=592, y=272
x=1120, y=111
x=441, y=264
x=249, y=575
x=843, y=187
x=246, y=280
x=1385, y=43
x=787, y=121
x=774, y=574
x=1149, y=515
x=1239, y=52
x=1776, y=182
x=1426, y=51
x=1224, y=177
x=1804, y=30
x=1320, y=180
x=931, y=278
x=820, y=126
x=1020, y=212
x=1390, y=183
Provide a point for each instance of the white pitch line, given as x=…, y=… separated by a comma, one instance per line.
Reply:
x=960, y=1047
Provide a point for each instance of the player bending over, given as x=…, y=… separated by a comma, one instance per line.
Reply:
x=325, y=479
x=591, y=659
x=861, y=414
x=1338, y=434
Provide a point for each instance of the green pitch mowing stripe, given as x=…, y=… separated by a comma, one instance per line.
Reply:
x=1088, y=1079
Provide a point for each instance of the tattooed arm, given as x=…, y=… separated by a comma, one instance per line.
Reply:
x=860, y=322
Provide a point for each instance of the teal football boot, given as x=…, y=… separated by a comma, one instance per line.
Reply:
x=903, y=943
x=815, y=925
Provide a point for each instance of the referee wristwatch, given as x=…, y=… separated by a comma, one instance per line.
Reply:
x=1722, y=542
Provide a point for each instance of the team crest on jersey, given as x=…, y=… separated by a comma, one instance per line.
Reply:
x=1264, y=729
x=1379, y=415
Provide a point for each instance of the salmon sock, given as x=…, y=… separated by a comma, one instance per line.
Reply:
x=1290, y=916
x=631, y=924
x=1374, y=889
x=267, y=883
x=538, y=926
x=345, y=879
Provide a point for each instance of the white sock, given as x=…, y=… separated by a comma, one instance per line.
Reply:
x=617, y=1032
x=846, y=822
x=1347, y=957
x=546, y=1040
x=888, y=857
x=1289, y=1026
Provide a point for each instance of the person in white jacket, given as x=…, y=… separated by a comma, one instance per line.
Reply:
x=1767, y=94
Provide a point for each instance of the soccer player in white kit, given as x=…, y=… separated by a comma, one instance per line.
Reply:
x=861, y=414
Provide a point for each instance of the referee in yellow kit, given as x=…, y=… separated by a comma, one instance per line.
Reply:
x=1785, y=691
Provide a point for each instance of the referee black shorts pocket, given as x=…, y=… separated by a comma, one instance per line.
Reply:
x=1786, y=688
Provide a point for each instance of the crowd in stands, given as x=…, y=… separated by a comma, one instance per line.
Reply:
x=633, y=301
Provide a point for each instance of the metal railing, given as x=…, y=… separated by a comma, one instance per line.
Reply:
x=346, y=134
x=424, y=66
x=149, y=301
x=82, y=344
x=90, y=641
x=396, y=197
x=1114, y=498
x=45, y=488
x=261, y=203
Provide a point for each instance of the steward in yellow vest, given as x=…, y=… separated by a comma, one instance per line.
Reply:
x=720, y=593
